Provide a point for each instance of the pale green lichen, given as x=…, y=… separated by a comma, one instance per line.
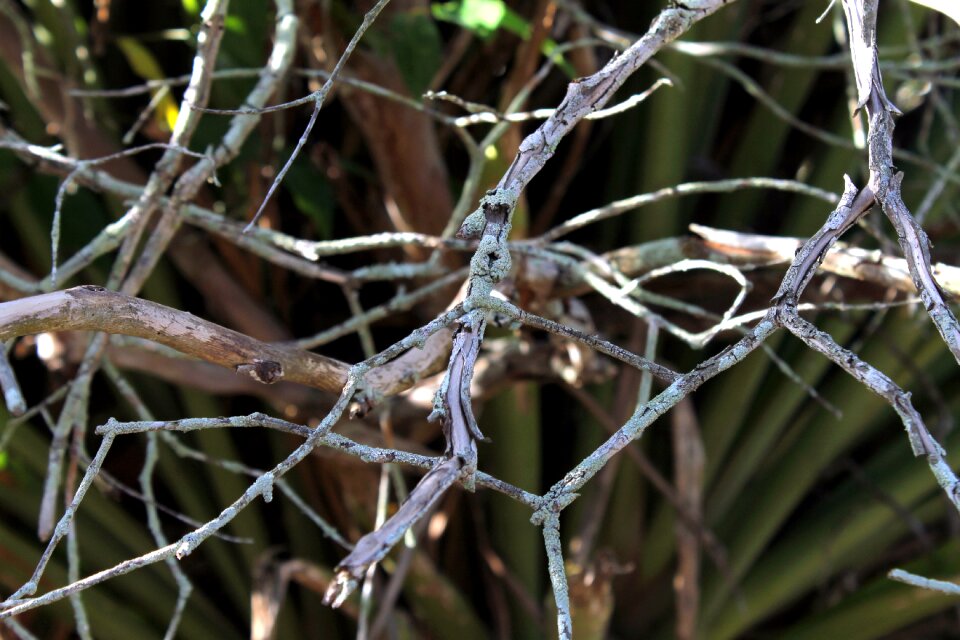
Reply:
x=491, y=262
x=501, y=196
x=264, y=486
x=439, y=400
x=357, y=373
x=187, y=544
x=368, y=396
x=473, y=225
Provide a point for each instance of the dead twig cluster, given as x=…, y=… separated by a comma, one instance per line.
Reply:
x=453, y=343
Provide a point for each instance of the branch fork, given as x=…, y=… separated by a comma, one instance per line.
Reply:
x=453, y=405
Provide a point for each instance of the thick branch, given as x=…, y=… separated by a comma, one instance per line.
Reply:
x=884, y=181
x=842, y=260
x=90, y=308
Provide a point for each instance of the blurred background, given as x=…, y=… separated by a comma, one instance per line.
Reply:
x=798, y=485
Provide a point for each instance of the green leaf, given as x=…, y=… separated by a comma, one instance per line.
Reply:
x=416, y=47
x=483, y=17
x=236, y=25
x=882, y=606
x=248, y=36
x=311, y=193
x=145, y=65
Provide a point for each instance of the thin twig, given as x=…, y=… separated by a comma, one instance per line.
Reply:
x=932, y=584
x=12, y=396
x=558, y=575
x=317, y=98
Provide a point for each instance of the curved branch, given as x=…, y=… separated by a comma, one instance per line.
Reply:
x=91, y=308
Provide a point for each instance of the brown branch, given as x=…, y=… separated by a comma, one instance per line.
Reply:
x=374, y=547
x=689, y=458
x=91, y=308
x=861, y=16
x=842, y=260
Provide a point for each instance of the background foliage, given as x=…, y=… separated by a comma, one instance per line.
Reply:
x=809, y=510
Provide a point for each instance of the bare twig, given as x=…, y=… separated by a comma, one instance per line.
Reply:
x=688, y=188
x=317, y=98
x=12, y=396
x=913, y=579
x=457, y=334
x=558, y=575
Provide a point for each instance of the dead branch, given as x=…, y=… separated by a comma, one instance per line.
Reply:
x=90, y=308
